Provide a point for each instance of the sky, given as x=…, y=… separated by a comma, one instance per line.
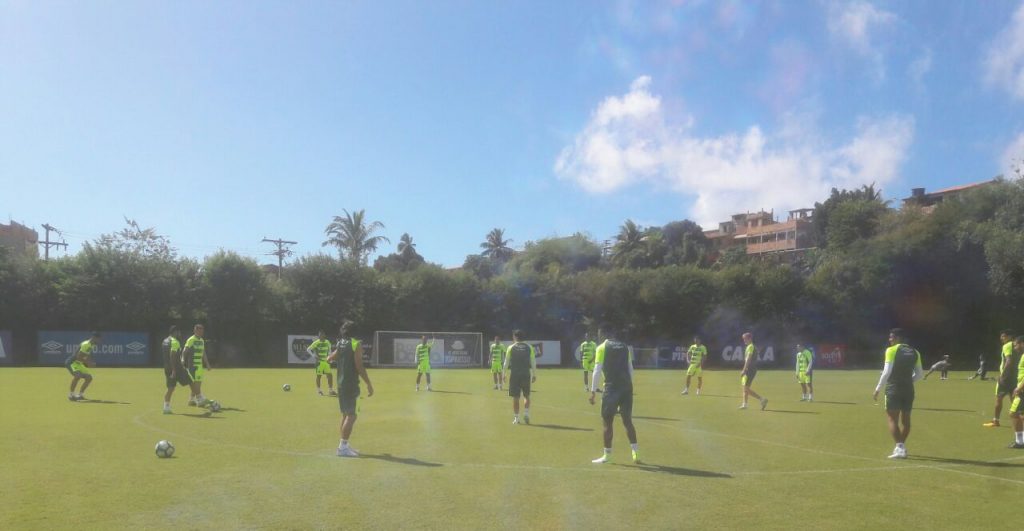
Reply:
x=221, y=123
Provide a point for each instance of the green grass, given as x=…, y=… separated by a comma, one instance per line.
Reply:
x=452, y=459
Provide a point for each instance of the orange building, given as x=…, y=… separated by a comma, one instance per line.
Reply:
x=761, y=234
x=20, y=239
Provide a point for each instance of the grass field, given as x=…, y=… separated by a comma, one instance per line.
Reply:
x=452, y=459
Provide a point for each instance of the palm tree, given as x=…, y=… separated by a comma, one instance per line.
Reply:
x=406, y=249
x=628, y=242
x=496, y=246
x=353, y=236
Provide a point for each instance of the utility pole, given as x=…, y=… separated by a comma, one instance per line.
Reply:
x=280, y=253
x=47, y=244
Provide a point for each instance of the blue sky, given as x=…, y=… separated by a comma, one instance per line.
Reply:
x=220, y=123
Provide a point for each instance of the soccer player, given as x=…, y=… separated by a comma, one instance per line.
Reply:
x=321, y=349
x=193, y=358
x=78, y=365
x=695, y=359
x=804, y=372
x=943, y=366
x=423, y=361
x=1017, y=406
x=174, y=373
x=521, y=371
x=902, y=368
x=588, y=349
x=349, y=354
x=1007, y=376
x=614, y=360
x=749, y=372
x=497, y=351
x=981, y=372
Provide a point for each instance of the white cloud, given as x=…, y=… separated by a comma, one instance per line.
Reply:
x=1004, y=62
x=920, y=68
x=856, y=24
x=630, y=140
x=1012, y=160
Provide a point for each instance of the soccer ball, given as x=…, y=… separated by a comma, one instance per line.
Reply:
x=286, y=387
x=164, y=449
x=215, y=406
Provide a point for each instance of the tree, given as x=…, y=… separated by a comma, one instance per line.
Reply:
x=136, y=240
x=353, y=236
x=406, y=259
x=407, y=249
x=857, y=221
x=495, y=246
x=636, y=248
x=685, y=242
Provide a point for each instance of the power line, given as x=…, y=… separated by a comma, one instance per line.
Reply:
x=47, y=244
x=281, y=253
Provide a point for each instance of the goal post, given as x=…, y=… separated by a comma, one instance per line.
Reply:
x=450, y=350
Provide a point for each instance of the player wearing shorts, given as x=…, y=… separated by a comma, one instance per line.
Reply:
x=1007, y=376
x=348, y=352
x=78, y=365
x=193, y=358
x=497, y=352
x=423, y=361
x=1017, y=406
x=588, y=349
x=749, y=372
x=902, y=368
x=942, y=366
x=981, y=372
x=521, y=371
x=321, y=349
x=695, y=360
x=804, y=372
x=614, y=361
x=174, y=373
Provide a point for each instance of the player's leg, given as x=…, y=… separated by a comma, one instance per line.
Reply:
x=700, y=382
x=318, y=390
x=626, y=411
x=998, y=410
x=86, y=380
x=586, y=378
x=686, y=386
x=428, y=379
x=330, y=384
x=419, y=376
x=526, y=402
x=607, y=423
x=905, y=429
x=74, y=383
x=810, y=387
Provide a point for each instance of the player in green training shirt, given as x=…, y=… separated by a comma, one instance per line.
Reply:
x=750, y=371
x=695, y=360
x=902, y=368
x=78, y=365
x=588, y=349
x=348, y=353
x=321, y=349
x=614, y=361
x=193, y=358
x=521, y=368
x=804, y=368
x=497, y=353
x=423, y=361
x=1017, y=406
x=174, y=373
x=1007, y=376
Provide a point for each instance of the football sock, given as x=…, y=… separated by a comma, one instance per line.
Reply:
x=1020, y=437
x=634, y=446
x=343, y=444
x=900, y=446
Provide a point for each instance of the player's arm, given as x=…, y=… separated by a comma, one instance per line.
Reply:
x=533, y=364
x=886, y=371
x=598, y=367
x=362, y=370
x=334, y=355
x=918, y=370
x=206, y=362
x=309, y=350
x=186, y=354
x=504, y=366
x=746, y=364
x=810, y=362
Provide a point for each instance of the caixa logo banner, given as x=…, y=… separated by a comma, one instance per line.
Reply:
x=115, y=348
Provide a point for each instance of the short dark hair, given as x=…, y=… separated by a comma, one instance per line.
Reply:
x=1006, y=332
x=174, y=328
x=346, y=325
x=95, y=334
x=517, y=333
x=897, y=333
x=1019, y=339
x=696, y=337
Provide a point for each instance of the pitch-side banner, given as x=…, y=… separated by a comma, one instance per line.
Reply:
x=830, y=355
x=547, y=352
x=115, y=348
x=6, y=348
x=297, y=354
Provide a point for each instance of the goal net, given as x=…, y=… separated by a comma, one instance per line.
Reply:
x=450, y=349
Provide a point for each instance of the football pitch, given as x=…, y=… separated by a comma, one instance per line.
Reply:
x=451, y=458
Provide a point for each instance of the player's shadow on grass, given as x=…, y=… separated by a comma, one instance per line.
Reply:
x=955, y=461
x=401, y=460
x=91, y=401
x=653, y=418
x=678, y=471
x=718, y=396
x=837, y=403
x=791, y=411
x=945, y=410
x=232, y=409
x=207, y=415
x=560, y=427
x=450, y=392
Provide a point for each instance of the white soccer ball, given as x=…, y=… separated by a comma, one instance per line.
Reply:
x=164, y=449
x=215, y=406
x=286, y=387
